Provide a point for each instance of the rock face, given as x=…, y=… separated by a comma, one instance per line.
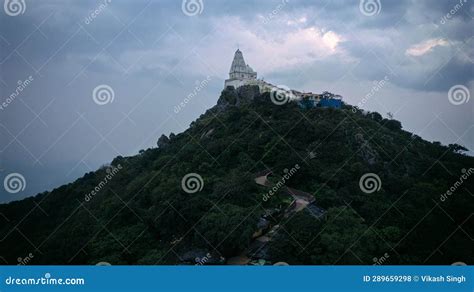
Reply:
x=207, y=134
x=367, y=152
x=237, y=97
x=163, y=141
x=248, y=93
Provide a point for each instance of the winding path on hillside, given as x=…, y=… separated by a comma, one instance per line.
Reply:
x=301, y=200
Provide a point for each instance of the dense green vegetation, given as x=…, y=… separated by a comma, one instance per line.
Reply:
x=143, y=216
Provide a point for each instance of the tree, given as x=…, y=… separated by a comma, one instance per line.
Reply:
x=295, y=244
x=376, y=116
x=456, y=148
x=393, y=125
x=163, y=141
x=341, y=237
x=228, y=228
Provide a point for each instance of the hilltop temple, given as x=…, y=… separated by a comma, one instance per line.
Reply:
x=240, y=73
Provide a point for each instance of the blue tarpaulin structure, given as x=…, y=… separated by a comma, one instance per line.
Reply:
x=330, y=102
x=323, y=102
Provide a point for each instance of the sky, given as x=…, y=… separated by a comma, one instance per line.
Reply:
x=82, y=82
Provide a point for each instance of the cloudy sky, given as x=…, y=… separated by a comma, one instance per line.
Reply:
x=144, y=57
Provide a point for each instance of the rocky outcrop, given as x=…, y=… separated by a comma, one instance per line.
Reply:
x=163, y=142
x=207, y=134
x=237, y=97
x=368, y=154
x=248, y=93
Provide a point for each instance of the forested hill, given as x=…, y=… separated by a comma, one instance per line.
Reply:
x=416, y=209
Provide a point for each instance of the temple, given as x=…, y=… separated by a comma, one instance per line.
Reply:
x=240, y=73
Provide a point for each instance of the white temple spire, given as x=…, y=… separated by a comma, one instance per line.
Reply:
x=240, y=72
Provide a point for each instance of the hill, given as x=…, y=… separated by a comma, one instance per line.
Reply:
x=195, y=199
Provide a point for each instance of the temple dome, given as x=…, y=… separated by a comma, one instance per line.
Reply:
x=239, y=69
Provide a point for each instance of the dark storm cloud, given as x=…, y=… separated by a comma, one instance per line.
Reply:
x=152, y=55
